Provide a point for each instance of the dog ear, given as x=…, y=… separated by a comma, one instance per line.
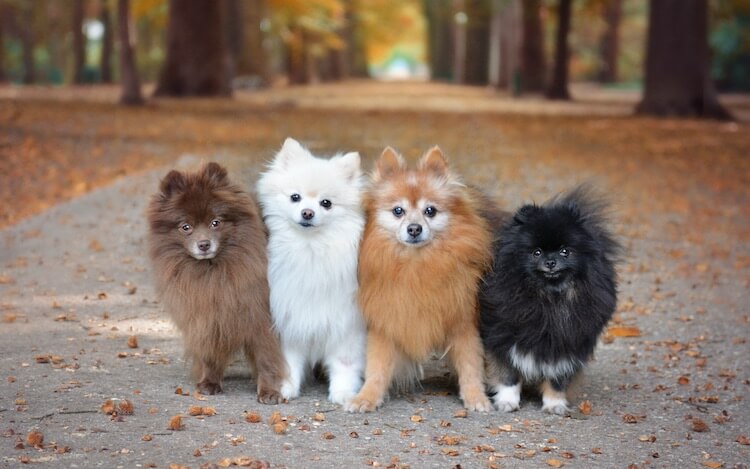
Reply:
x=349, y=162
x=524, y=213
x=434, y=162
x=290, y=152
x=215, y=174
x=389, y=163
x=174, y=181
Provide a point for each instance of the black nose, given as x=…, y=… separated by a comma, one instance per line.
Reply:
x=307, y=214
x=204, y=245
x=550, y=263
x=414, y=230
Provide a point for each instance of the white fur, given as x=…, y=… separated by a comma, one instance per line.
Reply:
x=312, y=271
x=507, y=398
x=555, y=405
x=533, y=369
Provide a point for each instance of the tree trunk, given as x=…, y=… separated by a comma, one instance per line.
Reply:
x=3, y=15
x=108, y=42
x=131, y=84
x=610, y=45
x=439, y=15
x=533, y=64
x=250, y=55
x=354, y=62
x=559, y=87
x=477, y=42
x=27, y=41
x=196, y=62
x=79, y=43
x=296, y=58
x=677, y=80
x=459, y=41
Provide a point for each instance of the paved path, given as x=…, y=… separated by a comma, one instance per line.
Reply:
x=74, y=287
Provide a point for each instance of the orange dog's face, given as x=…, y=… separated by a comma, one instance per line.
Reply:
x=414, y=206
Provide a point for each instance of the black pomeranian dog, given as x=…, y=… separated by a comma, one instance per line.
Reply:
x=551, y=292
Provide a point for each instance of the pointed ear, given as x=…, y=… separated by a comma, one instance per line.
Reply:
x=389, y=163
x=434, y=162
x=215, y=174
x=350, y=163
x=524, y=213
x=173, y=182
x=290, y=151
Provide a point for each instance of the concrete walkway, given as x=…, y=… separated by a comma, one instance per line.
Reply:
x=75, y=289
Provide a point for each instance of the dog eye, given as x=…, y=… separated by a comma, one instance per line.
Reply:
x=215, y=223
x=296, y=197
x=430, y=211
x=537, y=252
x=398, y=211
x=187, y=229
x=325, y=203
x=564, y=252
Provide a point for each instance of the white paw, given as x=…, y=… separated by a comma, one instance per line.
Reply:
x=555, y=406
x=341, y=397
x=507, y=398
x=289, y=390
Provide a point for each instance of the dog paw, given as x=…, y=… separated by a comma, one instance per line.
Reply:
x=341, y=397
x=209, y=387
x=289, y=391
x=359, y=404
x=556, y=407
x=506, y=406
x=478, y=403
x=269, y=396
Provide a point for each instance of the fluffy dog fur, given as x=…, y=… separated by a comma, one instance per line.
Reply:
x=312, y=207
x=424, y=251
x=208, y=250
x=550, y=294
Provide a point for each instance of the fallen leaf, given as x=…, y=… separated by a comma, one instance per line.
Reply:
x=712, y=464
x=208, y=411
x=319, y=417
x=743, y=440
x=35, y=439
x=450, y=452
x=585, y=407
x=647, y=438
x=449, y=440
x=699, y=426
x=461, y=414
x=96, y=246
x=126, y=407
x=280, y=427
x=133, y=341
x=353, y=435
x=195, y=410
x=630, y=418
x=147, y=437
x=554, y=463
x=253, y=417
x=624, y=331
x=683, y=380
x=175, y=423
x=108, y=407
x=328, y=436
x=416, y=418
x=275, y=418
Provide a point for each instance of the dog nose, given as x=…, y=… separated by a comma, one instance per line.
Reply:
x=414, y=230
x=550, y=263
x=307, y=214
x=204, y=245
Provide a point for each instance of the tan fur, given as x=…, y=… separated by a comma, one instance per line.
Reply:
x=221, y=305
x=417, y=300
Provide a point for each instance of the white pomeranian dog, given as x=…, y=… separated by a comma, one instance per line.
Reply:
x=313, y=209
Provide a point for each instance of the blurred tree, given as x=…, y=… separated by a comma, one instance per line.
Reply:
x=610, y=45
x=28, y=42
x=131, y=83
x=439, y=14
x=477, y=41
x=678, y=82
x=196, y=62
x=356, y=52
x=108, y=42
x=247, y=38
x=79, y=42
x=533, y=63
x=558, y=88
x=505, y=48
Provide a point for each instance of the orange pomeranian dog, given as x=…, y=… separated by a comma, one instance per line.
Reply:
x=424, y=251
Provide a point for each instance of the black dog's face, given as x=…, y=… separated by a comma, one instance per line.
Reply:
x=552, y=247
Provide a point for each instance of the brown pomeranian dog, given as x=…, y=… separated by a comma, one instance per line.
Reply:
x=424, y=251
x=208, y=250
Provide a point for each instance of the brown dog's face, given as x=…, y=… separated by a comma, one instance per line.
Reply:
x=413, y=205
x=203, y=240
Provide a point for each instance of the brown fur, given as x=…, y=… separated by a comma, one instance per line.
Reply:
x=221, y=305
x=420, y=299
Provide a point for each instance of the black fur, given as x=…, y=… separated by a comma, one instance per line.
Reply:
x=547, y=304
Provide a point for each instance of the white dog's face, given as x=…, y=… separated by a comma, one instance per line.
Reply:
x=414, y=223
x=308, y=192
